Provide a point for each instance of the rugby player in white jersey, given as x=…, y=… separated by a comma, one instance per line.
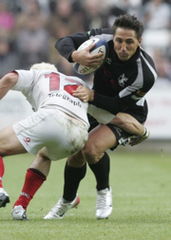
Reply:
x=57, y=128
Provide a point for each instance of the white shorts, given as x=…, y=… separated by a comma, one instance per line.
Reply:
x=61, y=134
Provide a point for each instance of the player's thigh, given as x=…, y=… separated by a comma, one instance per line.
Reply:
x=100, y=139
x=9, y=143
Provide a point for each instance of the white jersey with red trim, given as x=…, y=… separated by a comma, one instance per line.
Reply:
x=50, y=89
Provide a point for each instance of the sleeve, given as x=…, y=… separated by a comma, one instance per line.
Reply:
x=25, y=80
x=116, y=104
x=68, y=44
x=128, y=97
x=110, y=104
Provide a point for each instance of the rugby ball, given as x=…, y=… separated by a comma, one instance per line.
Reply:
x=99, y=47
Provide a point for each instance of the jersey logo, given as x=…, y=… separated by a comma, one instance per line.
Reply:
x=27, y=140
x=108, y=61
x=122, y=79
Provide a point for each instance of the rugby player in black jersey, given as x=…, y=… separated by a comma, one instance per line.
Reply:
x=120, y=85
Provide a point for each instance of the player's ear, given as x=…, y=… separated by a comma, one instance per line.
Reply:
x=140, y=40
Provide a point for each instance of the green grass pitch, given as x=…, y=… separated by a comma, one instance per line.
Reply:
x=141, y=184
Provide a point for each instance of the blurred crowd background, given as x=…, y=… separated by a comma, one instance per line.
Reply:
x=30, y=28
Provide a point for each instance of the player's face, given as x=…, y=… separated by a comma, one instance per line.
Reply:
x=125, y=43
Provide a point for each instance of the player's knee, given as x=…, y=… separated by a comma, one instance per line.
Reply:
x=92, y=153
x=4, y=151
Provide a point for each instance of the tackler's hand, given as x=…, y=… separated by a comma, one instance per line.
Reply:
x=84, y=94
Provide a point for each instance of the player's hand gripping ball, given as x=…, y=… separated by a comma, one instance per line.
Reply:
x=100, y=46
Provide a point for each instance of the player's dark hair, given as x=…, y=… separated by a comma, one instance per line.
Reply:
x=129, y=22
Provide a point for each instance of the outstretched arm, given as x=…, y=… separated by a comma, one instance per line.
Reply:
x=7, y=82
